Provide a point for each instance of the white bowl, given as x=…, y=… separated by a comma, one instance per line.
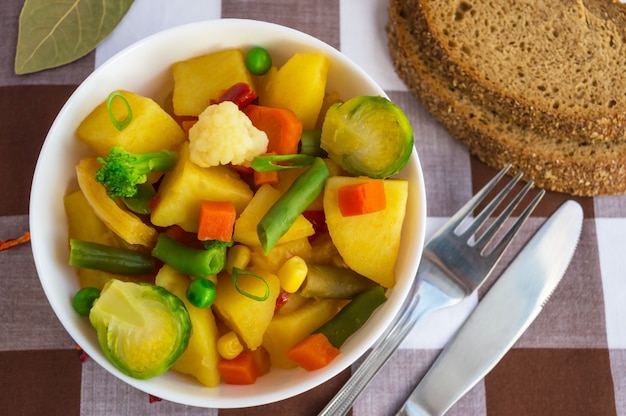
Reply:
x=145, y=68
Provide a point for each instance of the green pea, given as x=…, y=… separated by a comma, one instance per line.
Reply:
x=258, y=61
x=201, y=292
x=84, y=299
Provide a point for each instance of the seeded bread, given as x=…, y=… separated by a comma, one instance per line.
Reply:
x=553, y=66
x=553, y=163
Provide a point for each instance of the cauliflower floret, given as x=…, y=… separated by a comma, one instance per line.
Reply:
x=224, y=134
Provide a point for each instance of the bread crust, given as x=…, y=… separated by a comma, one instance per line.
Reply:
x=537, y=91
x=582, y=169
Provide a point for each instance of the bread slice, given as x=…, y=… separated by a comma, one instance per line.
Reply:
x=553, y=163
x=556, y=66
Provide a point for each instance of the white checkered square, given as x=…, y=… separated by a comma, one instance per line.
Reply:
x=363, y=39
x=145, y=18
x=611, y=233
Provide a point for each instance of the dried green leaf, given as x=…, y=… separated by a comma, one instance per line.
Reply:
x=54, y=33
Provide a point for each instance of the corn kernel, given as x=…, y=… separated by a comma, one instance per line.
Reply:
x=292, y=274
x=229, y=346
x=238, y=256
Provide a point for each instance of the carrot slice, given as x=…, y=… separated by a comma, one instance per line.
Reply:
x=313, y=352
x=266, y=178
x=283, y=128
x=217, y=220
x=362, y=198
x=240, y=370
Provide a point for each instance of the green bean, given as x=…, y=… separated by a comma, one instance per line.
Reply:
x=352, y=317
x=276, y=222
x=188, y=260
x=333, y=282
x=90, y=255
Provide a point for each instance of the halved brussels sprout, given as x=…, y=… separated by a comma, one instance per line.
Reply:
x=142, y=328
x=368, y=136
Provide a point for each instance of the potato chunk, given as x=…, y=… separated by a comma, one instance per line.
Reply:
x=247, y=317
x=246, y=224
x=151, y=128
x=187, y=184
x=117, y=218
x=199, y=80
x=299, y=85
x=84, y=224
x=201, y=357
x=368, y=243
x=285, y=331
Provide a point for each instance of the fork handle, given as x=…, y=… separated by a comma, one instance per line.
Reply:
x=346, y=396
x=418, y=306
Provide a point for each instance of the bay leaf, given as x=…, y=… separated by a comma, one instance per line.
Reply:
x=55, y=33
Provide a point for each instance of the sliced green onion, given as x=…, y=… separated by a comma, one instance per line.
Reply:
x=271, y=163
x=119, y=124
x=235, y=276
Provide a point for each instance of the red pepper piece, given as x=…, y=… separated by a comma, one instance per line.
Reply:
x=317, y=219
x=240, y=94
x=281, y=300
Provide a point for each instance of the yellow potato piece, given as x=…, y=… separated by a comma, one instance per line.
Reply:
x=151, y=128
x=285, y=331
x=247, y=317
x=201, y=357
x=183, y=188
x=368, y=243
x=122, y=222
x=299, y=85
x=199, y=80
x=84, y=224
x=246, y=224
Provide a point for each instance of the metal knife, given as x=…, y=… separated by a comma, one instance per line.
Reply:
x=500, y=318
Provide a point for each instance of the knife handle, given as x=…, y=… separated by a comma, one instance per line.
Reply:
x=413, y=409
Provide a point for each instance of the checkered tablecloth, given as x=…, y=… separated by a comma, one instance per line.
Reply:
x=571, y=361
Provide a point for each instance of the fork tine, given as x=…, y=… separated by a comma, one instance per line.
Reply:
x=493, y=204
x=487, y=236
x=470, y=205
x=504, y=242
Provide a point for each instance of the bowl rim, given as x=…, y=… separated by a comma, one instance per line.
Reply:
x=43, y=234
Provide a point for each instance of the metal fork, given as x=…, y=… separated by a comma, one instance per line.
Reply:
x=455, y=263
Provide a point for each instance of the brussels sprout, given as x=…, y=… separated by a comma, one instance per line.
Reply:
x=368, y=136
x=142, y=328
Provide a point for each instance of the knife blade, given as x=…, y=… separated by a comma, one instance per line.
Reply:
x=500, y=318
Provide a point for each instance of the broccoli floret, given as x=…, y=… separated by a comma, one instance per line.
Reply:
x=122, y=171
